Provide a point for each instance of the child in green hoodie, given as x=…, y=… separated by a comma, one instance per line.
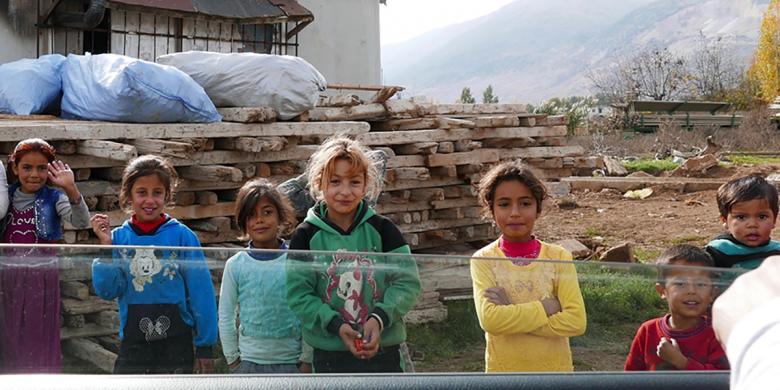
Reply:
x=351, y=305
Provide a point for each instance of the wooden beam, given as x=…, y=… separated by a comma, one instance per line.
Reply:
x=260, y=144
x=406, y=124
x=211, y=172
x=433, y=182
x=463, y=158
x=406, y=161
x=434, y=224
x=540, y=152
x=89, y=330
x=497, y=121
x=91, y=352
x=74, y=289
x=92, y=304
x=437, y=135
x=164, y=148
x=473, y=109
x=363, y=111
x=15, y=131
x=107, y=149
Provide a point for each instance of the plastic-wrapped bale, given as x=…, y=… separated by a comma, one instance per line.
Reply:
x=118, y=88
x=31, y=86
x=288, y=84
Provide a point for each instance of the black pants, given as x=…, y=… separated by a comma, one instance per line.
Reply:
x=173, y=355
x=388, y=359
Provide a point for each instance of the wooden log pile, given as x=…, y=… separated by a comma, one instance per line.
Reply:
x=437, y=154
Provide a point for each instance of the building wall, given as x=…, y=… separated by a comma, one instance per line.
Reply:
x=12, y=45
x=343, y=41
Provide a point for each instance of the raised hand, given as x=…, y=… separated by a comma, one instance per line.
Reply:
x=61, y=175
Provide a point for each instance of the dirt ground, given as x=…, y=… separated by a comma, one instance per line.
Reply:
x=665, y=218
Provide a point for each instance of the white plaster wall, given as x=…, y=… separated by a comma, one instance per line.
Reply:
x=13, y=46
x=343, y=41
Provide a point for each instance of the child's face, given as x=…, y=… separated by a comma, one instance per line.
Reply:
x=32, y=170
x=689, y=292
x=147, y=197
x=343, y=191
x=750, y=222
x=515, y=210
x=262, y=226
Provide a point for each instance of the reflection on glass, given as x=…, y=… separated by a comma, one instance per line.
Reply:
x=442, y=328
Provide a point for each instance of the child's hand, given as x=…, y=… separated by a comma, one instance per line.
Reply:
x=304, y=368
x=102, y=227
x=496, y=296
x=348, y=336
x=61, y=175
x=669, y=351
x=371, y=336
x=551, y=306
x=204, y=366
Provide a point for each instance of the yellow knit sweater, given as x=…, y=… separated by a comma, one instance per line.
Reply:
x=520, y=336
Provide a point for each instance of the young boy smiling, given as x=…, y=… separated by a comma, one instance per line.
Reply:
x=684, y=338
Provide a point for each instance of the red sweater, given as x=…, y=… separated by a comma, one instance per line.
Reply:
x=699, y=345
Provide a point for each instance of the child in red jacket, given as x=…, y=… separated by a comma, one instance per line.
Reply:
x=682, y=339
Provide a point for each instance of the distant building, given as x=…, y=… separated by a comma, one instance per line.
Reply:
x=340, y=38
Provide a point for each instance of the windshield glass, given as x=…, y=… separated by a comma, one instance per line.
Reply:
x=438, y=313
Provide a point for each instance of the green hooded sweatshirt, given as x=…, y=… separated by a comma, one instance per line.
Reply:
x=327, y=290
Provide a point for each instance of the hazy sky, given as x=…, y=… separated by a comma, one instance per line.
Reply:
x=401, y=20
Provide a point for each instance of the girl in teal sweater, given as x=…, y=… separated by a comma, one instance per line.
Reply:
x=268, y=340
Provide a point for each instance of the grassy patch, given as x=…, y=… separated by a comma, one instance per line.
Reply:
x=651, y=166
x=450, y=340
x=753, y=160
x=646, y=255
x=616, y=301
x=590, y=231
x=618, y=297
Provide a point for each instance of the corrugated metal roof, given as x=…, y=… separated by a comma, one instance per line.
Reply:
x=234, y=9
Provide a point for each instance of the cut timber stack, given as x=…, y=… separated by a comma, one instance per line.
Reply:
x=437, y=155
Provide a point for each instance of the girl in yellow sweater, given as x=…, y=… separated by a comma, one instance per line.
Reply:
x=528, y=309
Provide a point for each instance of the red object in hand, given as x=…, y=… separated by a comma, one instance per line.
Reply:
x=359, y=344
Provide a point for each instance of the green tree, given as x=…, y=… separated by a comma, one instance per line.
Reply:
x=488, y=97
x=575, y=108
x=766, y=62
x=466, y=97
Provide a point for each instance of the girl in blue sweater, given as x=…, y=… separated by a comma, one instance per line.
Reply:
x=268, y=339
x=166, y=299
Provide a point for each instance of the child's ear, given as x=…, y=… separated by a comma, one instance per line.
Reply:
x=661, y=290
x=724, y=222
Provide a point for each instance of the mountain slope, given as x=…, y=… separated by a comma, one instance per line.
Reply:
x=531, y=50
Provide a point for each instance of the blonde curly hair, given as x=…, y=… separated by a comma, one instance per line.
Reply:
x=323, y=162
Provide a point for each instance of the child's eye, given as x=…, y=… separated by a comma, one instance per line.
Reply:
x=334, y=181
x=740, y=217
x=502, y=204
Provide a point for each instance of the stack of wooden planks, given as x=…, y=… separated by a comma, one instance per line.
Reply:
x=437, y=154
